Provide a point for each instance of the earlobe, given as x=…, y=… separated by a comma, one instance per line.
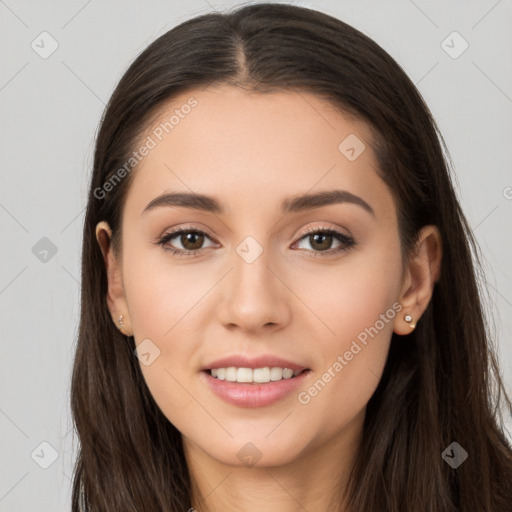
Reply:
x=115, y=295
x=424, y=268
x=405, y=323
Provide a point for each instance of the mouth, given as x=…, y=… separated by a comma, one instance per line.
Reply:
x=248, y=392
x=254, y=381
x=261, y=375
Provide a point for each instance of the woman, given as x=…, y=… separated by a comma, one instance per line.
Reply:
x=280, y=308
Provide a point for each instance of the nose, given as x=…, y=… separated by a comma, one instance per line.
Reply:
x=253, y=296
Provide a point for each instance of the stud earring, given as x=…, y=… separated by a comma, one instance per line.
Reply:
x=120, y=321
x=408, y=319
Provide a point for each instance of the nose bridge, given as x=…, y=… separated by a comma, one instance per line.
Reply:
x=254, y=296
x=251, y=275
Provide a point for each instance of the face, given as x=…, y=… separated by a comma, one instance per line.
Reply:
x=258, y=278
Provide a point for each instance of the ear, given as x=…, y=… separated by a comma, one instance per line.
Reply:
x=423, y=271
x=115, y=295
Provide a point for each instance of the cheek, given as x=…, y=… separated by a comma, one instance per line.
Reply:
x=165, y=309
x=359, y=306
x=160, y=293
x=163, y=306
x=352, y=296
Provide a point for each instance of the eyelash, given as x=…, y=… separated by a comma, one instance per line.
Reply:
x=347, y=241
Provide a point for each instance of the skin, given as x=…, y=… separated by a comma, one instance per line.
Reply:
x=251, y=151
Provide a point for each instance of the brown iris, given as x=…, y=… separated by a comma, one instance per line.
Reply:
x=195, y=239
x=324, y=245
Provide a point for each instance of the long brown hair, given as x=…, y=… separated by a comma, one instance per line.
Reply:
x=441, y=384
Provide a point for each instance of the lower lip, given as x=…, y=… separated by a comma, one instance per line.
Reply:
x=254, y=395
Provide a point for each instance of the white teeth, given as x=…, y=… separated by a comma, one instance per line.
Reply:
x=276, y=374
x=244, y=375
x=231, y=374
x=258, y=375
x=287, y=373
x=261, y=374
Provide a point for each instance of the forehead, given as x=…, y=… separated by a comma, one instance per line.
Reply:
x=255, y=148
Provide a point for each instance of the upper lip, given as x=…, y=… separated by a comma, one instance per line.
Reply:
x=239, y=361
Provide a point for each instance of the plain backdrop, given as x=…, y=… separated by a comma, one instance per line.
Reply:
x=50, y=107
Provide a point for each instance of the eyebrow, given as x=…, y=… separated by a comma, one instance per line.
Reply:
x=294, y=204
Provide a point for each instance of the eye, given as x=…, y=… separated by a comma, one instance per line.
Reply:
x=321, y=239
x=191, y=241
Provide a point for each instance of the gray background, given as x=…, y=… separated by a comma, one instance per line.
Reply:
x=49, y=110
